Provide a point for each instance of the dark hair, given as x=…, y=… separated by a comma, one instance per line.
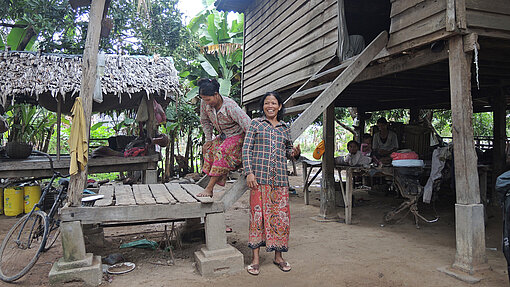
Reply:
x=208, y=87
x=367, y=136
x=382, y=121
x=353, y=142
x=279, y=115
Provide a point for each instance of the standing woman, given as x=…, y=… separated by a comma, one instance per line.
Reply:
x=265, y=151
x=222, y=153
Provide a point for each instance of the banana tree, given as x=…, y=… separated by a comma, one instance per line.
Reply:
x=221, y=48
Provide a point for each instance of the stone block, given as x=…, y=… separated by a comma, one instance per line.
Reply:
x=211, y=263
x=90, y=275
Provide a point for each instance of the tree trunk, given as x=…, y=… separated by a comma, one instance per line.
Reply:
x=171, y=172
x=166, y=174
x=28, y=36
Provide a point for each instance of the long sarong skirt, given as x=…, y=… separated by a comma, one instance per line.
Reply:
x=269, y=218
x=223, y=156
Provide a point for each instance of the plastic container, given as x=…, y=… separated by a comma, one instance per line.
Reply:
x=1, y=201
x=13, y=201
x=32, y=194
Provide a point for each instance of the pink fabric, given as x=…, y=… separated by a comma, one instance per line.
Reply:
x=223, y=156
x=404, y=155
x=269, y=218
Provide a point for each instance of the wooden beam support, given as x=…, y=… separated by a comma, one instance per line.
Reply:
x=466, y=177
x=234, y=193
x=470, y=41
x=469, y=215
x=499, y=117
x=88, y=82
x=328, y=194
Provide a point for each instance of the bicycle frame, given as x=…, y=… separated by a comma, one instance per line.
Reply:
x=53, y=209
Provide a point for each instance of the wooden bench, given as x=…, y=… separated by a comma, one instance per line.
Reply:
x=150, y=203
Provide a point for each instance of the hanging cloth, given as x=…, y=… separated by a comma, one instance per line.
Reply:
x=78, y=142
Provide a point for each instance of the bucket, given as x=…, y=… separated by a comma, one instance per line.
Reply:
x=32, y=194
x=1, y=201
x=13, y=201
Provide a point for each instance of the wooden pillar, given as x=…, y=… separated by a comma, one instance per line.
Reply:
x=328, y=208
x=59, y=123
x=88, y=82
x=499, y=156
x=414, y=115
x=470, y=229
x=360, y=129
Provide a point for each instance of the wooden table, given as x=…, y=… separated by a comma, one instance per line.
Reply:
x=39, y=166
x=309, y=165
x=144, y=203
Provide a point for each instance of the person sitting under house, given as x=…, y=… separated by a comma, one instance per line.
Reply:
x=366, y=145
x=385, y=142
x=354, y=158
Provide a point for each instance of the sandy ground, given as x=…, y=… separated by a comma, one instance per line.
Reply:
x=367, y=253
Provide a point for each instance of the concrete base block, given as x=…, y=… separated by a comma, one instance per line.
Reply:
x=85, y=262
x=470, y=238
x=90, y=275
x=217, y=262
x=457, y=274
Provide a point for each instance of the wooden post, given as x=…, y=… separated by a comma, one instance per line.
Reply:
x=343, y=34
x=328, y=208
x=88, y=82
x=499, y=156
x=59, y=123
x=470, y=229
x=414, y=115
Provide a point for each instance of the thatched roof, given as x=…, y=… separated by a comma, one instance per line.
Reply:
x=40, y=77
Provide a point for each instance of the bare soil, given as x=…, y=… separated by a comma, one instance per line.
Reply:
x=366, y=253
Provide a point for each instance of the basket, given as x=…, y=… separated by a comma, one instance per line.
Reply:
x=18, y=150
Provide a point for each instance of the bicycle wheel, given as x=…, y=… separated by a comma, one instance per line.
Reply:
x=22, y=246
x=53, y=233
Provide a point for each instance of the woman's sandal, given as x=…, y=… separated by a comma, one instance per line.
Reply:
x=253, y=269
x=284, y=265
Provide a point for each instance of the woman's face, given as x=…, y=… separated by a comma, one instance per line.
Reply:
x=212, y=101
x=271, y=107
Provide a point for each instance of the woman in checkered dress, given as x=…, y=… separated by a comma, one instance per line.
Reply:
x=266, y=148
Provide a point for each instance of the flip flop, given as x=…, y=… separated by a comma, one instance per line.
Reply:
x=284, y=265
x=204, y=195
x=228, y=230
x=253, y=269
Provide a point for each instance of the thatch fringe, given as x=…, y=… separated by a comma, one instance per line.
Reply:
x=33, y=74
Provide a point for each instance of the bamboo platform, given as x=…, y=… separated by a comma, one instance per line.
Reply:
x=144, y=203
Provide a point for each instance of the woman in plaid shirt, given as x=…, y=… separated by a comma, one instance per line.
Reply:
x=265, y=151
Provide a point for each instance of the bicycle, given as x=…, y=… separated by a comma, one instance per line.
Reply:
x=34, y=233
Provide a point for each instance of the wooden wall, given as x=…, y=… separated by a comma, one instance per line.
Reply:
x=418, y=22
x=286, y=42
x=489, y=16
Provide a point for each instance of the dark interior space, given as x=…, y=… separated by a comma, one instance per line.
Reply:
x=367, y=17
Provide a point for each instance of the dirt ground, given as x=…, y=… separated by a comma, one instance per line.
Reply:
x=367, y=253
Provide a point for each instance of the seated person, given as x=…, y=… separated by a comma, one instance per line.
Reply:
x=354, y=157
x=385, y=142
x=366, y=145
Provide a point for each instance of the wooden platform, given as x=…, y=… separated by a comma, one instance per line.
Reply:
x=144, y=203
x=39, y=166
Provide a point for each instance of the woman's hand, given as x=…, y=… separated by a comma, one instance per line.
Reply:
x=251, y=181
x=206, y=147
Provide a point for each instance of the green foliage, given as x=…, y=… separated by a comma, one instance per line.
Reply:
x=30, y=124
x=182, y=117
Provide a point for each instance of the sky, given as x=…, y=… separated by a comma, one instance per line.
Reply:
x=190, y=8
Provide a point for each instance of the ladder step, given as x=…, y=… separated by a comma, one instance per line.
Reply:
x=333, y=72
x=309, y=93
x=296, y=109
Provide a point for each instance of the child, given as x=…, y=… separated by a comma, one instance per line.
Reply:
x=354, y=157
x=366, y=145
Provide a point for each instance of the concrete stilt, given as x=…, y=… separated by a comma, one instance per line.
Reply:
x=217, y=257
x=76, y=265
x=470, y=237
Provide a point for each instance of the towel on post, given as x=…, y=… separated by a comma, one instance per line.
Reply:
x=78, y=142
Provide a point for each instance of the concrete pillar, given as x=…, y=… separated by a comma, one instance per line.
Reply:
x=76, y=265
x=328, y=193
x=217, y=257
x=470, y=230
x=150, y=176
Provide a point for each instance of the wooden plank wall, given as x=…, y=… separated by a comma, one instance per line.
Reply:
x=286, y=42
x=488, y=14
x=416, y=22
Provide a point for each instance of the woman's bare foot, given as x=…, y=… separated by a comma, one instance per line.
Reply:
x=206, y=193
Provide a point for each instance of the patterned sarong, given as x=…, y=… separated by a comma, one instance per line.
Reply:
x=223, y=156
x=269, y=218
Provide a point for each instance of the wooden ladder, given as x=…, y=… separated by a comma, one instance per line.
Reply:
x=328, y=83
